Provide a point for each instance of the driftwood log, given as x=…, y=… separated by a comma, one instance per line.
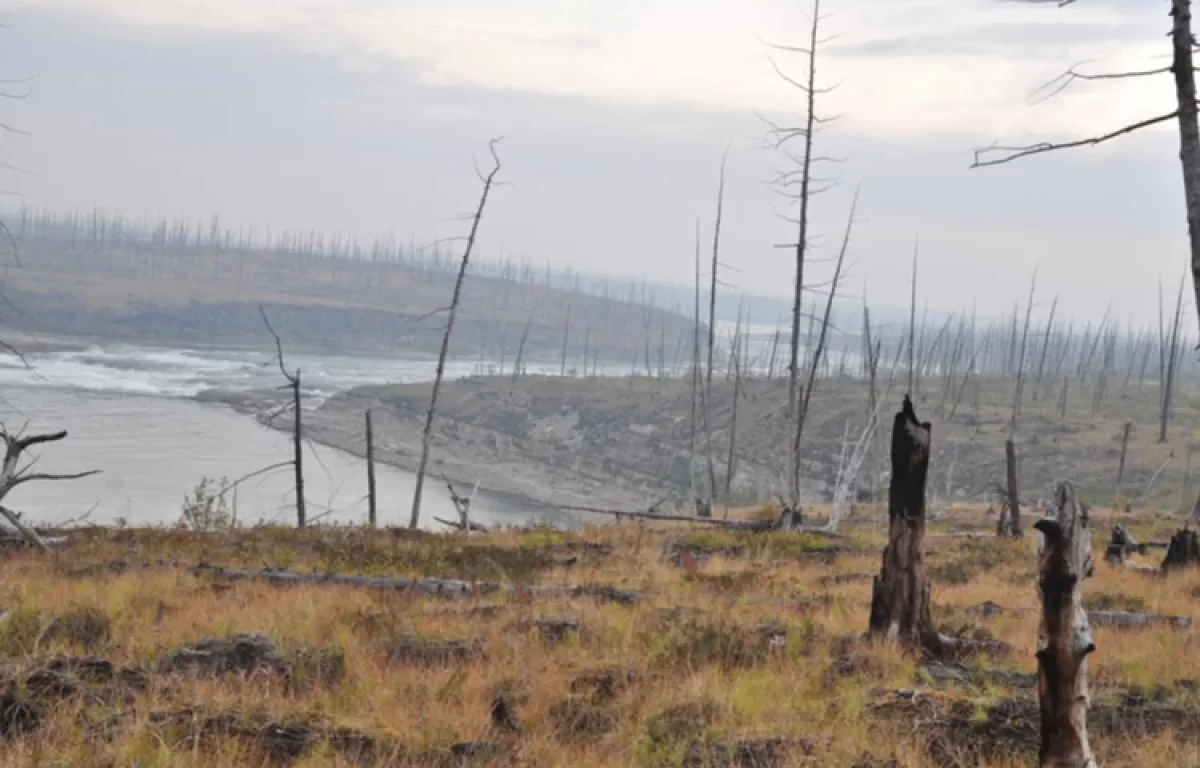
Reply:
x=1065, y=636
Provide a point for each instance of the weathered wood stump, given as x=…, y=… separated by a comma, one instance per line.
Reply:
x=1065, y=636
x=1120, y=546
x=900, y=607
x=1183, y=551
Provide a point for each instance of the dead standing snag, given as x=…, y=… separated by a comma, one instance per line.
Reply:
x=1065, y=636
x=427, y=435
x=900, y=606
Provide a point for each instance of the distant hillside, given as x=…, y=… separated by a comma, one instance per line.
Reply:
x=155, y=289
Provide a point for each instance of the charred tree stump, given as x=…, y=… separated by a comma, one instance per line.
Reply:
x=1183, y=551
x=1120, y=546
x=900, y=605
x=1013, y=527
x=371, y=501
x=1065, y=636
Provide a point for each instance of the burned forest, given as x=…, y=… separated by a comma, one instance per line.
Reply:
x=714, y=410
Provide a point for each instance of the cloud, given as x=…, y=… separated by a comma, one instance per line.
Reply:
x=320, y=122
x=905, y=67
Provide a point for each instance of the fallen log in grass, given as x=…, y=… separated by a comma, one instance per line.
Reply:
x=426, y=586
x=1130, y=620
x=751, y=526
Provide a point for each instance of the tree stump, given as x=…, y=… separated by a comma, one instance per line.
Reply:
x=1065, y=636
x=1183, y=551
x=1120, y=546
x=900, y=606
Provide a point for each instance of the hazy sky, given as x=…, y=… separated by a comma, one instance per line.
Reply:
x=364, y=116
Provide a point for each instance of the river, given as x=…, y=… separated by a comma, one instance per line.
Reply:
x=130, y=414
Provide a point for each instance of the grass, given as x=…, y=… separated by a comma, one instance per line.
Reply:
x=745, y=653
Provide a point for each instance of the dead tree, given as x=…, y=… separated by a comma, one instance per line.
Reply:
x=781, y=137
x=796, y=513
x=706, y=393
x=371, y=500
x=912, y=319
x=1013, y=527
x=562, y=371
x=518, y=365
x=14, y=473
x=900, y=603
x=1037, y=384
x=1182, y=70
x=427, y=435
x=1065, y=636
x=695, y=380
x=293, y=383
x=1169, y=368
x=1121, y=466
x=1017, y=391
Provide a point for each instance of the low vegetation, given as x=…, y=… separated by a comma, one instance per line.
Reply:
x=742, y=650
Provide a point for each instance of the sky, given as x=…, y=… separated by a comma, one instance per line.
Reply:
x=372, y=116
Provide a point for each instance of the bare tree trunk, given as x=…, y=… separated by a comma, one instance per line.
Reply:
x=797, y=513
x=427, y=434
x=1168, y=385
x=1183, y=68
x=774, y=349
x=706, y=398
x=1014, y=496
x=517, y=369
x=737, y=391
x=293, y=380
x=1037, y=385
x=566, y=337
x=801, y=252
x=1121, y=466
x=900, y=604
x=1065, y=637
x=587, y=342
x=1016, y=412
x=912, y=320
x=695, y=376
x=1062, y=400
x=298, y=451
x=371, y=499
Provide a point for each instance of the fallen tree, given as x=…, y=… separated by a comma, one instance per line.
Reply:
x=426, y=586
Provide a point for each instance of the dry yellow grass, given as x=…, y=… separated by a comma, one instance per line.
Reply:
x=706, y=674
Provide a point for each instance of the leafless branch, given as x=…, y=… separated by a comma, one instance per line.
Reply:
x=1059, y=84
x=1016, y=153
x=278, y=346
